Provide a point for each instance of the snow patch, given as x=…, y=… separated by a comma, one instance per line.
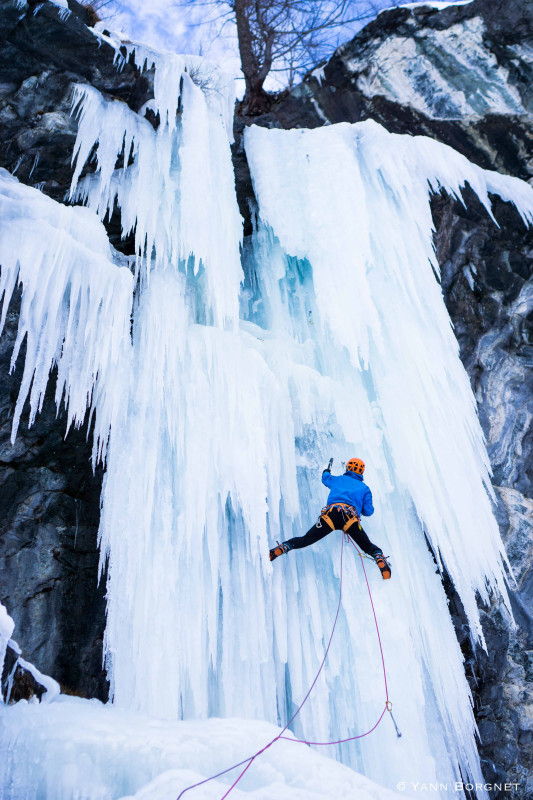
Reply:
x=6, y=629
x=84, y=749
x=438, y=4
x=52, y=688
x=64, y=10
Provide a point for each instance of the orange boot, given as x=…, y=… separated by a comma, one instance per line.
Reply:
x=279, y=550
x=384, y=565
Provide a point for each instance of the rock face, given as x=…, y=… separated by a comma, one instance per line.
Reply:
x=44, y=52
x=461, y=75
x=486, y=278
x=49, y=510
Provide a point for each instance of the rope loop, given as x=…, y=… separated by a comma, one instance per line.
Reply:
x=388, y=705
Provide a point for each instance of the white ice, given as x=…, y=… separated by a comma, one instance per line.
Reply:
x=75, y=301
x=167, y=190
x=438, y=4
x=239, y=383
x=83, y=749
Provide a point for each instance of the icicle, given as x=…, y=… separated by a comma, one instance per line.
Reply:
x=208, y=439
x=399, y=316
x=351, y=203
x=75, y=307
x=169, y=186
x=345, y=348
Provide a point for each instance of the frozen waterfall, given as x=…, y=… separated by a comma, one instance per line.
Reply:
x=246, y=367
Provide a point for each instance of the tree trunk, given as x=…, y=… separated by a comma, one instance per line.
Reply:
x=244, y=33
x=256, y=101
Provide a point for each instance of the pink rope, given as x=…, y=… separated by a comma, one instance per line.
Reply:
x=387, y=701
x=249, y=761
x=280, y=735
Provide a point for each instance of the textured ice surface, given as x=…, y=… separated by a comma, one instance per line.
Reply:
x=81, y=749
x=233, y=398
x=226, y=434
x=75, y=306
x=367, y=233
x=351, y=204
x=172, y=179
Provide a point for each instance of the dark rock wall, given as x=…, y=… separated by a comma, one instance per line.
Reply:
x=468, y=72
x=43, y=53
x=486, y=278
x=468, y=78
x=49, y=512
x=49, y=496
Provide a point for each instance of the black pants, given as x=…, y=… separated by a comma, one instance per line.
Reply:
x=321, y=529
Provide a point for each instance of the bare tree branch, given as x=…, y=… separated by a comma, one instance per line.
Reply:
x=286, y=36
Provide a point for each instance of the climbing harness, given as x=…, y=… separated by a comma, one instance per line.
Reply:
x=388, y=705
x=349, y=514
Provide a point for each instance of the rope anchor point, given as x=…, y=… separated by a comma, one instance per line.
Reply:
x=388, y=706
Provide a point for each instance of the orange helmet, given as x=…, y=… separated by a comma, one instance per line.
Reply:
x=355, y=465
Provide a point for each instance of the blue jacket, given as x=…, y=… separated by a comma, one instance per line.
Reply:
x=351, y=489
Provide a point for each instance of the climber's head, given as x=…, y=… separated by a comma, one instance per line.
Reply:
x=355, y=465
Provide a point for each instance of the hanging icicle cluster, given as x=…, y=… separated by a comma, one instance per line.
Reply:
x=220, y=425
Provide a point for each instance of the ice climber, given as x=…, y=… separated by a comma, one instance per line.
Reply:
x=348, y=498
